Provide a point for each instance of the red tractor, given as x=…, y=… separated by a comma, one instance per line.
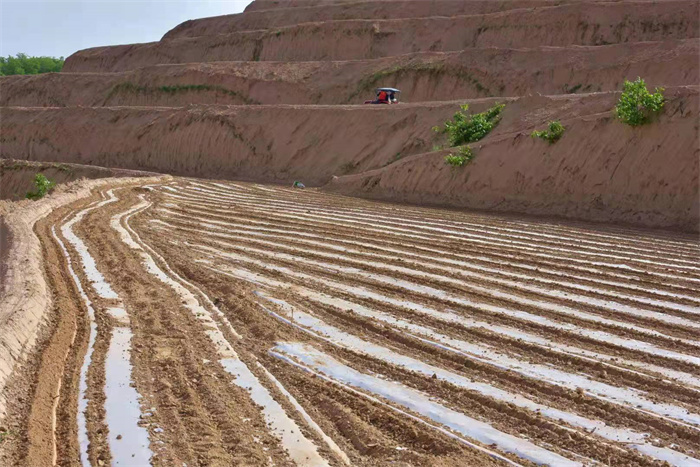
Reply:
x=385, y=96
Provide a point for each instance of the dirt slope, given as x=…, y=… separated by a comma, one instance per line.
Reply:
x=17, y=176
x=600, y=170
x=571, y=24
x=274, y=143
x=288, y=14
x=427, y=76
x=196, y=321
x=618, y=176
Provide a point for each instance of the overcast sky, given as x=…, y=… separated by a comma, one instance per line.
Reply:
x=59, y=28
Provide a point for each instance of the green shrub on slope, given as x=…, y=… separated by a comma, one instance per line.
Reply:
x=463, y=128
x=637, y=104
x=552, y=133
x=43, y=185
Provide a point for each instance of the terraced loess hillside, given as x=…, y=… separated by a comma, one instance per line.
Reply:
x=215, y=316
x=273, y=94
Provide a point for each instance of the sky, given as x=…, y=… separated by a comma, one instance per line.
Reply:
x=58, y=28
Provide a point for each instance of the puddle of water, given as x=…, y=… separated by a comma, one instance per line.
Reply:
x=128, y=442
x=421, y=404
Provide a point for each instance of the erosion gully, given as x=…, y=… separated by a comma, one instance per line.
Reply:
x=206, y=323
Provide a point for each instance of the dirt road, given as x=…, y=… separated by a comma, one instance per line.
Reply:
x=206, y=323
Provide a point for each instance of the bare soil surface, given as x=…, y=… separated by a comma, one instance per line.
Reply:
x=423, y=77
x=219, y=323
x=565, y=25
x=646, y=175
x=17, y=176
x=173, y=321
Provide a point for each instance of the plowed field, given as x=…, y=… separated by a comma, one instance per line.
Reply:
x=204, y=323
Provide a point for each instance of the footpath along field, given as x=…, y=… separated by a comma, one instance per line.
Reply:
x=220, y=323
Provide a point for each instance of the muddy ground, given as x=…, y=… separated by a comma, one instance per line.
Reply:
x=207, y=323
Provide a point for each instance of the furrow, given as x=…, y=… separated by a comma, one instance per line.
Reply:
x=467, y=227
x=300, y=449
x=294, y=238
x=415, y=286
x=330, y=221
x=308, y=321
x=421, y=404
x=452, y=218
x=495, y=264
x=517, y=240
x=602, y=336
x=491, y=356
x=420, y=330
x=128, y=441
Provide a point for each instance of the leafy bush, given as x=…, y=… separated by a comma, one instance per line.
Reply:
x=465, y=128
x=463, y=157
x=22, y=64
x=552, y=133
x=637, y=104
x=43, y=185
